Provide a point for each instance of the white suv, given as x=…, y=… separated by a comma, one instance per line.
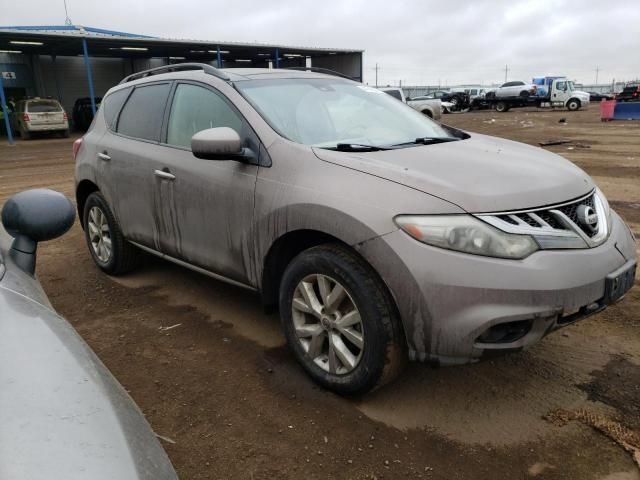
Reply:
x=39, y=115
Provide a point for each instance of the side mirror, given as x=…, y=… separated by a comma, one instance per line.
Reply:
x=35, y=216
x=221, y=143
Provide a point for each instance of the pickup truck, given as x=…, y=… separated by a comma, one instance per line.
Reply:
x=432, y=108
x=544, y=92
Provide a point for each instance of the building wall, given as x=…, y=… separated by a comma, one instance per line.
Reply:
x=349, y=64
x=66, y=78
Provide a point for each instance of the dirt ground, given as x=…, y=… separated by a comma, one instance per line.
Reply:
x=223, y=387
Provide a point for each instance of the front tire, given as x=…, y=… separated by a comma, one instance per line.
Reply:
x=340, y=321
x=573, y=105
x=107, y=245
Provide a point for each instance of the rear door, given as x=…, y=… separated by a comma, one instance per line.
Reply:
x=45, y=112
x=128, y=158
x=205, y=206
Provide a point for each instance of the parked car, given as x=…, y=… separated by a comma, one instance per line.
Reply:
x=513, y=89
x=599, y=96
x=63, y=414
x=378, y=233
x=473, y=92
x=82, y=114
x=38, y=115
x=451, y=101
x=432, y=108
x=630, y=93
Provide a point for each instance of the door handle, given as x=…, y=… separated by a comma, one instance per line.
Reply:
x=104, y=156
x=164, y=175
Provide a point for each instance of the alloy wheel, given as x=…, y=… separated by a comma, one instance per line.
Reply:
x=327, y=324
x=99, y=234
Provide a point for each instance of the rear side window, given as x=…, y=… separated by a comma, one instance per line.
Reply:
x=197, y=108
x=43, y=106
x=112, y=105
x=141, y=117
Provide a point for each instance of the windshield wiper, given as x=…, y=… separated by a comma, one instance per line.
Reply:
x=428, y=141
x=357, y=147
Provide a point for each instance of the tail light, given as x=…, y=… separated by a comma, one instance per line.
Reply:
x=26, y=118
x=64, y=114
x=76, y=147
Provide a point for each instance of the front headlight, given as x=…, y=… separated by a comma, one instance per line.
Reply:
x=464, y=233
x=604, y=203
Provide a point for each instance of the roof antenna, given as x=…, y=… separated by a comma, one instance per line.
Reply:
x=67, y=20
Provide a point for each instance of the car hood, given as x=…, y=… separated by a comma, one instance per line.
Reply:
x=584, y=96
x=479, y=174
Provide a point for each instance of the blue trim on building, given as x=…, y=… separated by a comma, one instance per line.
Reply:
x=69, y=28
x=87, y=64
x=5, y=113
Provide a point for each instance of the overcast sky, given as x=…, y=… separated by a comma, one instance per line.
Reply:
x=418, y=42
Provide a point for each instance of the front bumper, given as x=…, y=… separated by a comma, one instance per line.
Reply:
x=447, y=299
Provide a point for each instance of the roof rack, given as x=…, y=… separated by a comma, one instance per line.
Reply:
x=176, y=67
x=321, y=70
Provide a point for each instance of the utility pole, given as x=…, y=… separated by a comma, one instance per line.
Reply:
x=506, y=71
x=376, y=75
x=597, y=71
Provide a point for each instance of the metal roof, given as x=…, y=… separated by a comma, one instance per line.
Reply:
x=55, y=33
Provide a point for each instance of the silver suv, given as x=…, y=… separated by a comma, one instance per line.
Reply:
x=379, y=234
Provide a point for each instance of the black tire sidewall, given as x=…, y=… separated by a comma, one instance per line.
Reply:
x=362, y=289
x=97, y=200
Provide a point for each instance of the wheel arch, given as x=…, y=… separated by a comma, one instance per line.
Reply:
x=83, y=190
x=575, y=99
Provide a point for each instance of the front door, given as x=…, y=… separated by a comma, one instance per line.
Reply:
x=207, y=204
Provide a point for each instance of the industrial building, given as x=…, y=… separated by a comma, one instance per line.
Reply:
x=70, y=62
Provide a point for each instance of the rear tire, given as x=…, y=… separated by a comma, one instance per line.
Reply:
x=502, y=107
x=107, y=245
x=65, y=133
x=379, y=354
x=24, y=134
x=524, y=94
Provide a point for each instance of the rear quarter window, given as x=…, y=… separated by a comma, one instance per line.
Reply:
x=142, y=115
x=112, y=104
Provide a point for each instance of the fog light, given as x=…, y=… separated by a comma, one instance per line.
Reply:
x=506, y=332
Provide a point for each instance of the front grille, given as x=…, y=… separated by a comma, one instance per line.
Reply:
x=571, y=211
x=569, y=221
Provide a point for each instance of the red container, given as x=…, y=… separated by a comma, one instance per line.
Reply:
x=607, y=108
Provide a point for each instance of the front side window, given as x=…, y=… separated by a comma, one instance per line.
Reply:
x=141, y=117
x=326, y=112
x=197, y=108
x=561, y=85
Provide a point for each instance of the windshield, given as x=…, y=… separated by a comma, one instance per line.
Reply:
x=327, y=112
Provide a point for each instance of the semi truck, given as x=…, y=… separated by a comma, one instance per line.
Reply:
x=550, y=92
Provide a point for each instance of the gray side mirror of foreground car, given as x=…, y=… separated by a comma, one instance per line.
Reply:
x=222, y=143
x=35, y=216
